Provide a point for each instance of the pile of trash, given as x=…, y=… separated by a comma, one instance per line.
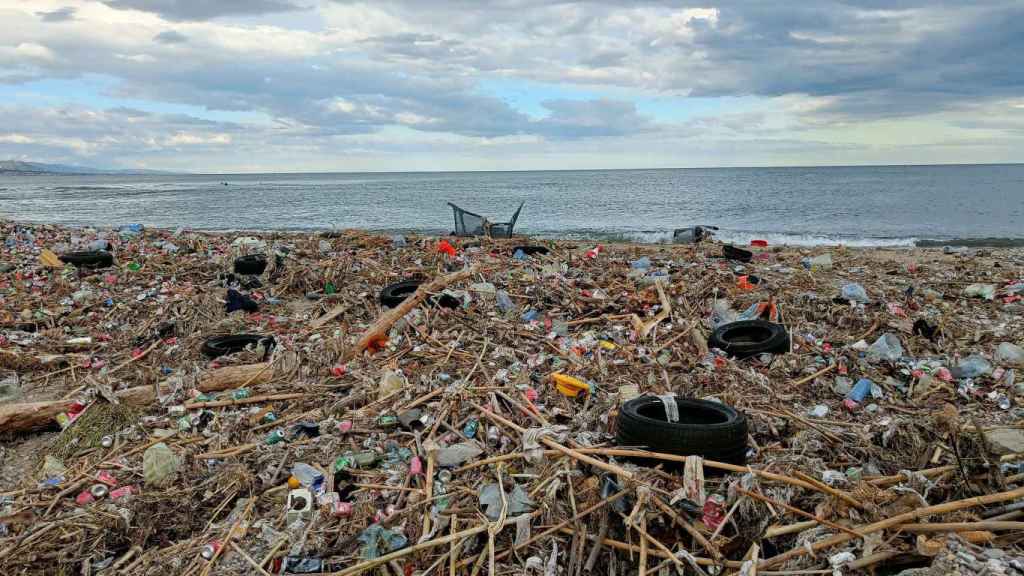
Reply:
x=343, y=403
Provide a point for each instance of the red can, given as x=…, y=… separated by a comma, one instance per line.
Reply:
x=714, y=511
x=342, y=509
x=210, y=550
x=121, y=492
x=106, y=478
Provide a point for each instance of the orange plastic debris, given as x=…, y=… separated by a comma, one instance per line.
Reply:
x=445, y=248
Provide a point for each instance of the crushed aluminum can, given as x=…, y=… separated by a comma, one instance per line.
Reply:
x=106, y=478
x=342, y=509
x=99, y=490
x=84, y=497
x=714, y=511
x=275, y=437
x=210, y=550
x=121, y=492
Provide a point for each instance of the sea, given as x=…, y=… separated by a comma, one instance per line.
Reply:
x=854, y=206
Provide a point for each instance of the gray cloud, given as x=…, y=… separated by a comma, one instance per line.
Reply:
x=423, y=67
x=76, y=133
x=573, y=119
x=873, y=58
x=205, y=9
x=170, y=37
x=59, y=15
x=876, y=63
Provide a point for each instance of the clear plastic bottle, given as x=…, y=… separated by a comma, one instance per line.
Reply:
x=308, y=477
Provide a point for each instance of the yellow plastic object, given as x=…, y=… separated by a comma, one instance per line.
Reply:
x=293, y=482
x=50, y=260
x=570, y=386
x=607, y=345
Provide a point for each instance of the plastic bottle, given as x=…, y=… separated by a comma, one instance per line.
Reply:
x=308, y=477
x=643, y=263
x=857, y=394
x=855, y=292
x=469, y=430
x=504, y=301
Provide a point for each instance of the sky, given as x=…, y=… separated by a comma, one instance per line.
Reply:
x=404, y=85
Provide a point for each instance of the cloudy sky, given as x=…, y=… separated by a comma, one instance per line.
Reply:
x=308, y=85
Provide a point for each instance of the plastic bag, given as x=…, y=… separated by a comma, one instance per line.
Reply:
x=855, y=292
x=986, y=291
x=887, y=348
x=972, y=367
x=159, y=465
x=1009, y=354
x=722, y=314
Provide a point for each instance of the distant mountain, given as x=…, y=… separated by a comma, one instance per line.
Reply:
x=19, y=167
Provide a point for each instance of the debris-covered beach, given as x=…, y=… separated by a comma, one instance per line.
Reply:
x=178, y=402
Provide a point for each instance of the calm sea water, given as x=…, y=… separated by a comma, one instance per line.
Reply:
x=890, y=205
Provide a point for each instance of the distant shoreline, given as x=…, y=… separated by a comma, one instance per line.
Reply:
x=970, y=243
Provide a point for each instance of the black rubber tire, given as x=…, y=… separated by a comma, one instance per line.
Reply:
x=89, y=259
x=446, y=301
x=531, y=250
x=252, y=265
x=218, y=346
x=734, y=253
x=394, y=294
x=750, y=337
x=707, y=429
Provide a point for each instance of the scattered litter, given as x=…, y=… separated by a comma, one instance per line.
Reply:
x=345, y=402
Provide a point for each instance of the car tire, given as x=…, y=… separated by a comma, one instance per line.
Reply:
x=749, y=338
x=708, y=429
x=734, y=253
x=251, y=265
x=531, y=250
x=394, y=294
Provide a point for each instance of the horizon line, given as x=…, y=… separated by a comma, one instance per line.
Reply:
x=166, y=172
x=513, y=170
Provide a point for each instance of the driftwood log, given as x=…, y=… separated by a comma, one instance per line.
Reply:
x=33, y=415
x=386, y=320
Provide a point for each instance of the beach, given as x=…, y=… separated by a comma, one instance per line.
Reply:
x=455, y=394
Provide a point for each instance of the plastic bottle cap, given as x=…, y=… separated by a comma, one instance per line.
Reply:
x=293, y=482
